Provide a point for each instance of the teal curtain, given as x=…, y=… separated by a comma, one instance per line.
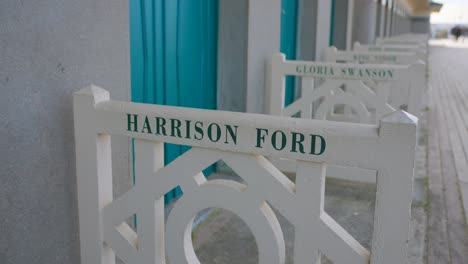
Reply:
x=174, y=57
x=289, y=17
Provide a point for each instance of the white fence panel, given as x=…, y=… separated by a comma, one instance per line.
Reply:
x=362, y=90
x=367, y=88
x=402, y=40
x=242, y=141
x=400, y=95
x=421, y=52
x=332, y=54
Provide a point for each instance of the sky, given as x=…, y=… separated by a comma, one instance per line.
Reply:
x=453, y=12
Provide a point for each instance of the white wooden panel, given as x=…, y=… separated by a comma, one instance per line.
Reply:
x=387, y=148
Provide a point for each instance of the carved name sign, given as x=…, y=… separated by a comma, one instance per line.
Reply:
x=381, y=58
x=282, y=67
x=225, y=134
x=333, y=55
x=344, y=72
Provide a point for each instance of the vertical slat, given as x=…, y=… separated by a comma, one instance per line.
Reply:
x=307, y=84
x=94, y=176
x=417, y=88
x=275, y=85
x=149, y=158
x=310, y=192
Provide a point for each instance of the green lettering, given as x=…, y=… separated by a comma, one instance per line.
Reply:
x=187, y=129
x=160, y=123
x=146, y=126
x=199, y=130
x=133, y=123
x=210, y=132
x=298, y=69
x=260, y=137
x=274, y=141
x=313, y=144
x=175, y=127
x=232, y=133
x=296, y=142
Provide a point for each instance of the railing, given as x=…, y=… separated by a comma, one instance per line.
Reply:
x=332, y=54
x=420, y=51
x=400, y=95
x=242, y=141
x=364, y=89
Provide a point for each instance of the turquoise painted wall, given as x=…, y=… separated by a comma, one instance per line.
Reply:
x=174, y=57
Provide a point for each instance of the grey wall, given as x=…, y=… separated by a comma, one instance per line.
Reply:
x=339, y=24
x=364, y=21
x=49, y=49
x=403, y=25
x=249, y=33
x=420, y=25
x=263, y=39
x=307, y=28
x=232, y=55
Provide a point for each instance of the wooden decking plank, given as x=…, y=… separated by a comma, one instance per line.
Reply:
x=457, y=137
x=450, y=146
x=437, y=239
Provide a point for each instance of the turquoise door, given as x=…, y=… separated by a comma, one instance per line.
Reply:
x=174, y=57
x=289, y=15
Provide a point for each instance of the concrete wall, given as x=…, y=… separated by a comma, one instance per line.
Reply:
x=232, y=55
x=263, y=39
x=403, y=25
x=249, y=33
x=364, y=21
x=307, y=29
x=420, y=25
x=380, y=20
x=49, y=49
x=339, y=24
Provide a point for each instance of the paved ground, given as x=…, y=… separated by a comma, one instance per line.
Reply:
x=447, y=234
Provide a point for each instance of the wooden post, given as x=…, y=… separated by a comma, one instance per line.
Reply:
x=94, y=176
x=394, y=188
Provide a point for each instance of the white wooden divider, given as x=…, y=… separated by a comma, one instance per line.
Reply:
x=369, y=104
x=343, y=85
x=421, y=52
x=242, y=141
x=332, y=54
x=400, y=95
x=422, y=43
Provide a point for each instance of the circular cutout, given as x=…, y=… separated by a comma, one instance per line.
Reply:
x=231, y=196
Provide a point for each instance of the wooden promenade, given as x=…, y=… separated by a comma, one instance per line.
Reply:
x=447, y=232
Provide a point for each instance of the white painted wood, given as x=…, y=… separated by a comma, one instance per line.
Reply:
x=366, y=99
x=395, y=230
x=387, y=147
x=329, y=92
x=393, y=48
x=93, y=175
x=374, y=57
x=407, y=93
